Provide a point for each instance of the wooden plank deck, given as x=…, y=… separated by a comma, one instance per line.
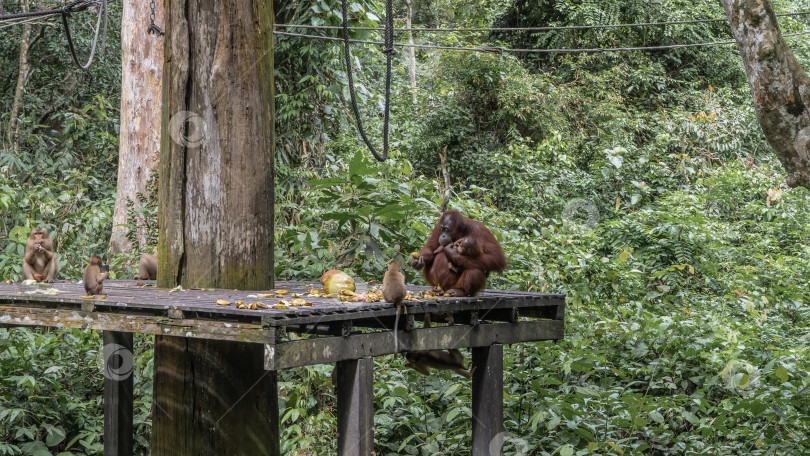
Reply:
x=325, y=330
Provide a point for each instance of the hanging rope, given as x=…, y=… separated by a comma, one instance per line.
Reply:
x=102, y=10
x=389, y=51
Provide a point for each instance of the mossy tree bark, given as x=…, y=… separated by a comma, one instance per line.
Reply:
x=780, y=87
x=216, y=222
x=216, y=164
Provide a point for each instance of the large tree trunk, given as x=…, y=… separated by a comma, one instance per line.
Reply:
x=215, y=217
x=139, y=140
x=780, y=87
x=216, y=165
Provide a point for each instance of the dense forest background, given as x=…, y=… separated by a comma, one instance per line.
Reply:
x=637, y=183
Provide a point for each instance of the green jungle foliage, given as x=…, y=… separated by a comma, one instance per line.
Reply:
x=639, y=184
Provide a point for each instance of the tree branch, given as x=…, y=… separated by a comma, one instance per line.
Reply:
x=779, y=85
x=446, y=175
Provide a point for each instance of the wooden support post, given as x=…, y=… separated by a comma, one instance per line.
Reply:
x=355, y=407
x=118, y=363
x=213, y=398
x=487, y=399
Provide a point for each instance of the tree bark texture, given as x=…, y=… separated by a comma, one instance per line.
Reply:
x=139, y=139
x=221, y=402
x=216, y=166
x=779, y=85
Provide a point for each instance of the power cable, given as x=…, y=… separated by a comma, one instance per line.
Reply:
x=526, y=29
x=497, y=49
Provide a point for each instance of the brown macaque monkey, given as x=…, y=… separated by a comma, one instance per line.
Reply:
x=147, y=268
x=451, y=359
x=93, y=277
x=40, y=262
x=393, y=290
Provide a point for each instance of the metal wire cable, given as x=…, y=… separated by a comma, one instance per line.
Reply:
x=76, y=5
x=102, y=10
x=9, y=20
x=16, y=22
x=389, y=52
x=526, y=29
x=497, y=49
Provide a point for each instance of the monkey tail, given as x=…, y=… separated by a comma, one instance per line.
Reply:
x=396, y=330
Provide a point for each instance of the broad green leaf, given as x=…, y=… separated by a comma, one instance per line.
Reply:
x=781, y=374
x=656, y=416
x=615, y=447
x=35, y=448
x=55, y=435
x=452, y=390
x=690, y=417
x=639, y=422
x=740, y=380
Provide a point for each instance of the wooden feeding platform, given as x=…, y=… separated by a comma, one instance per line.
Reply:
x=298, y=328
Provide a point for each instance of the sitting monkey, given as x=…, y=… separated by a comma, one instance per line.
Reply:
x=93, y=277
x=147, y=268
x=39, y=262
